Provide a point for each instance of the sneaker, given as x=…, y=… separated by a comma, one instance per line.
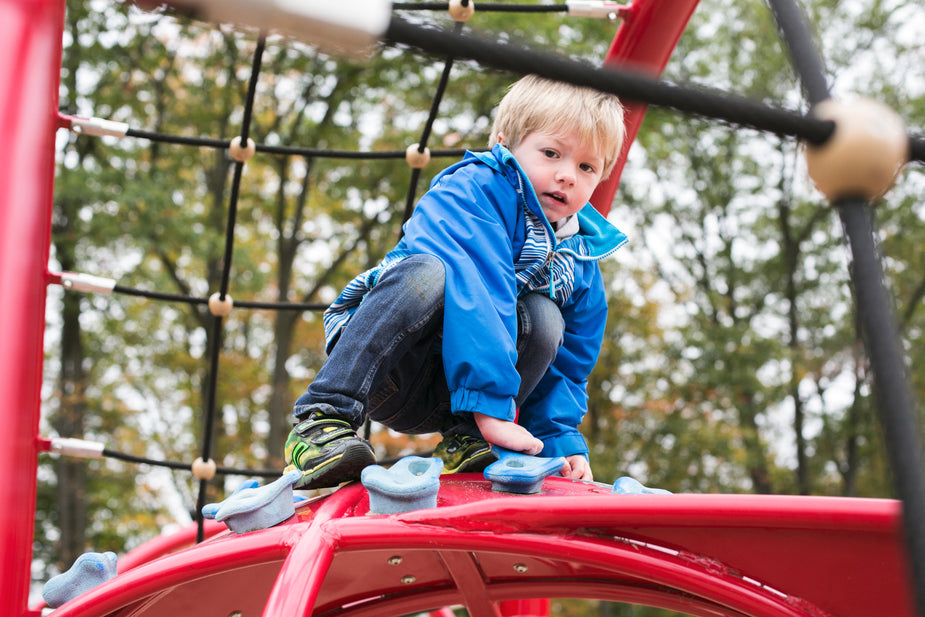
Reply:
x=464, y=454
x=327, y=451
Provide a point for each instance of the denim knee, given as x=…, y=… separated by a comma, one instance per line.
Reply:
x=543, y=328
x=424, y=276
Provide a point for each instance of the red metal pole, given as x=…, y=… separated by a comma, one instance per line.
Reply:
x=644, y=41
x=30, y=64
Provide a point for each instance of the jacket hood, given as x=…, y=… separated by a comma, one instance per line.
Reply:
x=601, y=237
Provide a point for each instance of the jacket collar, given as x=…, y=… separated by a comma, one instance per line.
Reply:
x=601, y=237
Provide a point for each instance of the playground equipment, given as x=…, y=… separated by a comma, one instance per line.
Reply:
x=491, y=552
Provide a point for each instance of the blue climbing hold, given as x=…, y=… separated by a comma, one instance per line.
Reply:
x=211, y=509
x=515, y=472
x=629, y=486
x=88, y=571
x=251, y=508
x=410, y=484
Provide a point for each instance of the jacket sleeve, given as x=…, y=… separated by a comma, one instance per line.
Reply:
x=466, y=220
x=557, y=405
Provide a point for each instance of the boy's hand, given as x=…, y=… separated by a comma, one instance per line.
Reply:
x=507, y=434
x=577, y=468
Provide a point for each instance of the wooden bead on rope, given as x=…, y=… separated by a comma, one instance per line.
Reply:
x=219, y=307
x=239, y=153
x=415, y=158
x=461, y=12
x=865, y=152
x=203, y=470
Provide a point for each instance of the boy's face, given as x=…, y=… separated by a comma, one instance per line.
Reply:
x=563, y=170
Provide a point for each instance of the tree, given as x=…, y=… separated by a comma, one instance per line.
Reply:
x=754, y=262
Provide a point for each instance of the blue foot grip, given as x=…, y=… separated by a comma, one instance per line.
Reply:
x=251, y=507
x=88, y=571
x=629, y=486
x=410, y=484
x=515, y=472
x=211, y=509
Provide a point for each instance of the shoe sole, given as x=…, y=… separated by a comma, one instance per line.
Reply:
x=345, y=467
x=473, y=465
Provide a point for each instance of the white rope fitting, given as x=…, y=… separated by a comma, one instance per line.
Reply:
x=596, y=9
x=98, y=127
x=344, y=26
x=203, y=470
x=79, y=448
x=460, y=12
x=219, y=307
x=87, y=283
x=865, y=153
x=239, y=153
x=415, y=158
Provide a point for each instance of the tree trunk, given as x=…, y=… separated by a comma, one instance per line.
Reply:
x=69, y=422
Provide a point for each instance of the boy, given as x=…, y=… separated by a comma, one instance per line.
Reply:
x=486, y=319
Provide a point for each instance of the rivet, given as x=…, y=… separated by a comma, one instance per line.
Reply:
x=519, y=567
x=235, y=614
x=395, y=560
x=408, y=579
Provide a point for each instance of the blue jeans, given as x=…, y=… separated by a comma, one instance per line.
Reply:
x=388, y=363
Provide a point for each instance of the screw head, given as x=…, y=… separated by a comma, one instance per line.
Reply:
x=408, y=579
x=520, y=568
x=395, y=560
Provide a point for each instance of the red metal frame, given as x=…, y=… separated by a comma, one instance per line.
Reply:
x=30, y=63
x=708, y=555
x=644, y=41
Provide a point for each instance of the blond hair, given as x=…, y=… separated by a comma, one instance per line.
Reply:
x=537, y=104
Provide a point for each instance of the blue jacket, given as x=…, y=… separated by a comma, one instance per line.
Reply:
x=481, y=218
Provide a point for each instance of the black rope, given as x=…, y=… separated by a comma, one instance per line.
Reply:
x=221, y=144
x=220, y=470
x=226, y=275
x=895, y=401
x=803, y=55
x=428, y=127
x=277, y=306
x=916, y=148
x=229, y=471
x=209, y=421
x=628, y=84
x=409, y=198
x=894, y=397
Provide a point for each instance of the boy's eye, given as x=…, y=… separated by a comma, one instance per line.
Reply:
x=587, y=168
x=549, y=153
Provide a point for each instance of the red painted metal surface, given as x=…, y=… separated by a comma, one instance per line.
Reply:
x=30, y=61
x=644, y=42
x=708, y=555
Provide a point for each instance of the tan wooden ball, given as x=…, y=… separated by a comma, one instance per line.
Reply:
x=415, y=158
x=240, y=153
x=219, y=307
x=203, y=470
x=459, y=12
x=865, y=153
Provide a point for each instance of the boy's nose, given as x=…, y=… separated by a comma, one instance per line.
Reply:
x=565, y=175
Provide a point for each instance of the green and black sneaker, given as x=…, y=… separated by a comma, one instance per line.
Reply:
x=327, y=451
x=464, y=454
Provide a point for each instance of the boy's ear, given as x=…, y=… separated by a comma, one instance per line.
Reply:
x=501, y=138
